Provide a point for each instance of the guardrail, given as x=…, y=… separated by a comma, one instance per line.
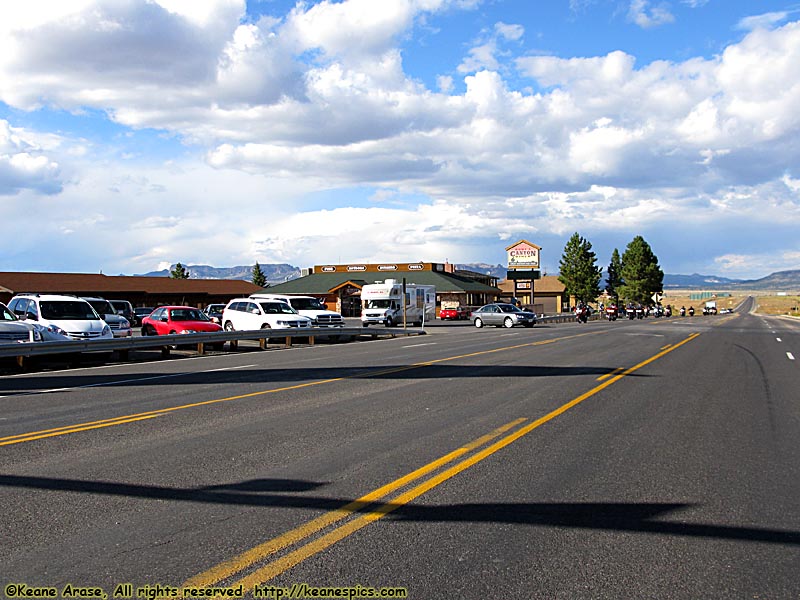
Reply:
x=218, y=339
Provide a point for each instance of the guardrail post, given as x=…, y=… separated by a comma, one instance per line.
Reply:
x=263, y=342
x=288, y=341
x=201, y=348
x=165, y=351
x=311, y=340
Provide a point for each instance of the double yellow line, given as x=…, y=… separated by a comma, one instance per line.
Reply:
x=368, y=506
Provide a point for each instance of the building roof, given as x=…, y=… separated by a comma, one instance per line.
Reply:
x=86, y=283
x=323, y=283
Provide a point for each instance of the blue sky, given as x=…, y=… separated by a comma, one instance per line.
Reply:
x=135, y=134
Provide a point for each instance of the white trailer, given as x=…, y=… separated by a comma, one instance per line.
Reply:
x=383, y=303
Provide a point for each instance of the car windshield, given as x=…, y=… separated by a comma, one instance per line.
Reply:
x=277, y=308
x=509, y=308
x=68, y=310
x=306, y=304
x=379, y=303
x=6, y=314
x=103, y=307
x=187, y=314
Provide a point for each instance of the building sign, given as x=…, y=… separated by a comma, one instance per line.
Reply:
x=523, y=285
x=328, y=269
x=523, y=255
x=387, y=267
x=416, y=267
x=356, y=267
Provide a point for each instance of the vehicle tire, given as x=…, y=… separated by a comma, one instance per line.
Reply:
x=229, y=326
x=478, y=323
x=266, y=326
x=389, y=322
x=508, y=322
x=146, y=331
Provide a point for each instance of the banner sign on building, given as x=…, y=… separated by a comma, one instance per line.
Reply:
x=523, y=255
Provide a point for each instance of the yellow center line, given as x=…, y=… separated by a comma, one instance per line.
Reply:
x=282, y=564
x=614, y=372
x=67, y=429
x=244, y=560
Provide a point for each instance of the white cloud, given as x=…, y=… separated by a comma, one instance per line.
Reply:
x=24, y=163
x=645, y=16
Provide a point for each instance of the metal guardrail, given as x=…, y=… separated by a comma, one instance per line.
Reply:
x=200, y=340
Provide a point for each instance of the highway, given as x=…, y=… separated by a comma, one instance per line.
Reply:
x=643, y=459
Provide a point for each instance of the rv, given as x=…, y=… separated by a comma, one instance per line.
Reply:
x=384, y=303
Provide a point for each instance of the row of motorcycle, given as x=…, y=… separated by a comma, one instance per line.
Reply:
x=638, y=311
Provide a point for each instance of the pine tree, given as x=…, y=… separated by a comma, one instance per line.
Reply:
x=614, y=275
x=579, y=273
x=259, y=278
x=640, y=272
x=179, y=272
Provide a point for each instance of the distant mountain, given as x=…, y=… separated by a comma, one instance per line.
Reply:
x=275, y=273
x=776, y=282
x=672, y=281
x=498, y=271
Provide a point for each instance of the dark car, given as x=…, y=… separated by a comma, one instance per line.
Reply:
x=124, y=308
x=140, y=312
x=502, y=315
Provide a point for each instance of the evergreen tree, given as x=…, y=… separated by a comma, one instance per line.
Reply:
x=579, y=273
x=259, y=278
x=640, y=272
x=614, y=275
x=179, y=272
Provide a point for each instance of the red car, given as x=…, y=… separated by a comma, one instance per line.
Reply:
x=166, y=320
x=455, y=314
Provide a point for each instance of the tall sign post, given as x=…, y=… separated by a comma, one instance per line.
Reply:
x=523, y=264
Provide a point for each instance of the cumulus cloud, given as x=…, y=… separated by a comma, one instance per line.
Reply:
x=24, y=163
x=319, y=99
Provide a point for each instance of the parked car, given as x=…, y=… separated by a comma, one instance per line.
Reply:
x=214, y=312
x=124, y=308
x=64, y=315
x=120, y=326
x=12, y=330
x=503, y=315
x=168, y=320
x=140, y=312
x=308, y=306
x=243, y=314
x=454, y=313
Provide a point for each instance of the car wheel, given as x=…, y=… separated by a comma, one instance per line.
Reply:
x=478, y=323
x=266, y=326
x=389, y=321
x=229, y=326
x=508, y=322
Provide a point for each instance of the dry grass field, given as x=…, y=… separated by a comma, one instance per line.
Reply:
x=768, y=305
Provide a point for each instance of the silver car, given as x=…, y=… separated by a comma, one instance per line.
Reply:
x=502, y=315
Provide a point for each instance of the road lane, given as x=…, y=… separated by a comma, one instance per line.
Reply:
x=165, y=499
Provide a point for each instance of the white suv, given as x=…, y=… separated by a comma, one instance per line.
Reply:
x=242, y=314
x=308, y=306
x=66, y=315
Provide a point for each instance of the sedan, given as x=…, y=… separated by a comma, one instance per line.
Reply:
x=167, y=320
x=140, y=312
x=502, y=315
x=454, y=313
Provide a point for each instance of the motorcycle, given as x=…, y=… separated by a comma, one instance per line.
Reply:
x=611, y=313
x=683, y=311
x=691, y=311
x=582, y=314
x=639, y=312
x=631, y=312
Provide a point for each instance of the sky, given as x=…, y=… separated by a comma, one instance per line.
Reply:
x=135, y=134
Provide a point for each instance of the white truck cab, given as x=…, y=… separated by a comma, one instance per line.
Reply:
x=308, y=306
x=383, y=303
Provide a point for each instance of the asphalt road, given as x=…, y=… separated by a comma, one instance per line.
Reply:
x=645, y=459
